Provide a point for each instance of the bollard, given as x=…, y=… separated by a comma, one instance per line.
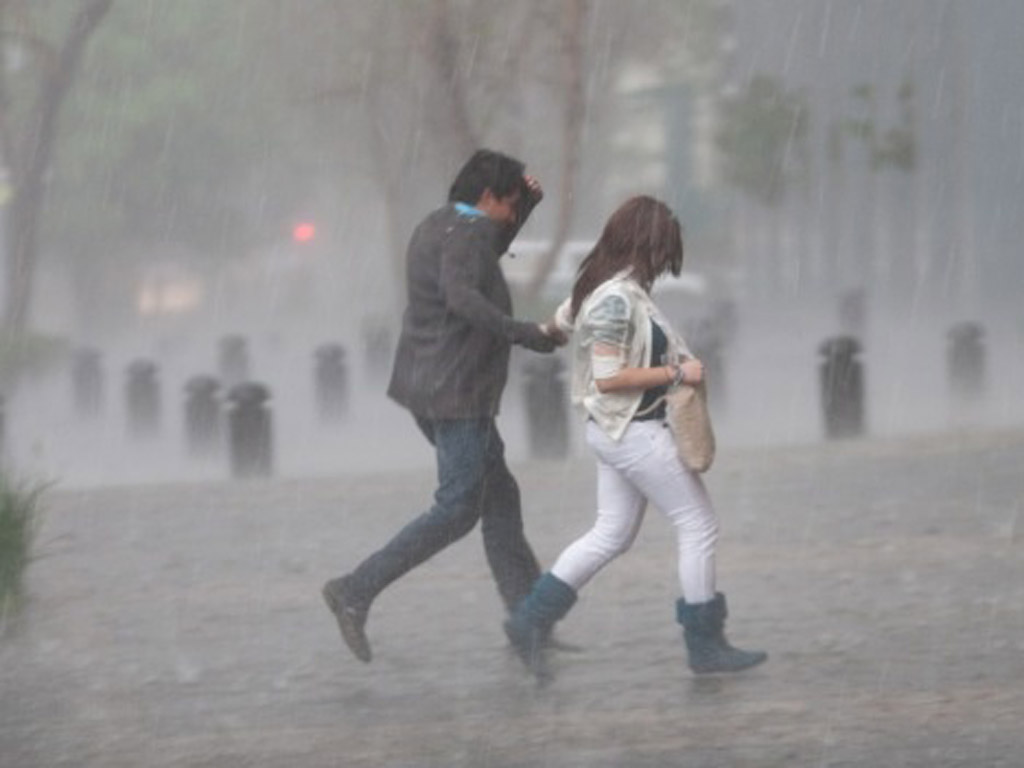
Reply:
x=87, y=382
x=377, y=346
x=250, y=434
x=142, y=399
x=202, y=416
x=708, y=340
x=234, y=360
x=712, y=356
x=842, y=387
x=965, y=359
x=331, y=379
x=545, y=399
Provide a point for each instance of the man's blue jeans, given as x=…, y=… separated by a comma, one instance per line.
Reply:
x=474, y=483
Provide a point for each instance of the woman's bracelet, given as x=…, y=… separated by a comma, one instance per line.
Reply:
x=678, y=376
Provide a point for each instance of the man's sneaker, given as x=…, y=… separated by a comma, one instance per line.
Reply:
x=528, y=643
x=552, y=643
x=351, y=618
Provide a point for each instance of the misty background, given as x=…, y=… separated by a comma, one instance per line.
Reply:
x=175, y=173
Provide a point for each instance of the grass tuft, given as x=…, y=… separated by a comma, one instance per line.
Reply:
x=20, y=514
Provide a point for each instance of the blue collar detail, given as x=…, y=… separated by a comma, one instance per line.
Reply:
x=466, y=209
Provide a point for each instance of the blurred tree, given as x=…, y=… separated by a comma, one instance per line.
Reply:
x=863, y=127
x=404, y=92
x=896, y=150
x=593, y=47
x=757, y=136
x=571, y=42
x=205, y=126
x=184, y=140
x=409, y=90
x=761, y=137
x=890, y=214
x=185, y=133
x=29, y=112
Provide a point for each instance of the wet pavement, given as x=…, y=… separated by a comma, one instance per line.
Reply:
x=182, y=625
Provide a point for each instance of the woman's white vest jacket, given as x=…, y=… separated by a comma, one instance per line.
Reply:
x=616, y=317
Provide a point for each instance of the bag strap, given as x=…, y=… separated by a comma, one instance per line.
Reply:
x=664, y=397
x=652, y=407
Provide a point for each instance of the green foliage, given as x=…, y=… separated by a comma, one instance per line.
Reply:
x=893, y=148
x=19, y=522
x=28, y=353
x=178, y=131
x=760, y=133
x=899, y=147
x=898, y=150
x=209, y=125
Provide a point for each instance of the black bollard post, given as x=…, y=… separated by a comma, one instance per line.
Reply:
x=142, y=399
x=203, y=416
x=545, y=399
x=377, y=346
x=713, y=357
x=707, y=341
x=965, y=360
x=87, y=382
x=842, y=387
x=234, y=360
x=250, y=433
x=332, y=384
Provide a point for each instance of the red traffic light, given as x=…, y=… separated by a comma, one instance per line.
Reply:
x=303, y=232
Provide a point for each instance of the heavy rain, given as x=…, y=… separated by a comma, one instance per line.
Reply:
x=205, y=208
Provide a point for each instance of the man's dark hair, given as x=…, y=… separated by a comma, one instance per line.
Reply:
x=487, y=169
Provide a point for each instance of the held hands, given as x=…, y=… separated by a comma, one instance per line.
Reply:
x=532, y=337
x=560, y=337
x=539, y=337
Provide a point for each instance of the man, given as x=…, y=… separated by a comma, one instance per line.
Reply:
x=450, y=369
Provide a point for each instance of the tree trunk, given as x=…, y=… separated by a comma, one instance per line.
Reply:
x=447, y=98
x=31, y=165
x=572, y=132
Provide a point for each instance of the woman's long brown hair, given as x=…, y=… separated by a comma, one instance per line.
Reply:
x=643, y=234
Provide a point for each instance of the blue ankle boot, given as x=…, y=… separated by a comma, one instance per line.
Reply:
x=529, y=626
x=709, y=651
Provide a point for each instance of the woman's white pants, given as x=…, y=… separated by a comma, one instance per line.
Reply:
x=643, y=466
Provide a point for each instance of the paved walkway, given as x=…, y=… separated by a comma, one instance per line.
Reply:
x=182, y=625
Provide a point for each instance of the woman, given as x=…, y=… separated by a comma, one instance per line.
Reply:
x=625, y=356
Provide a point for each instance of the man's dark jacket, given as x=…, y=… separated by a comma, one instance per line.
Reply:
x=457, y=330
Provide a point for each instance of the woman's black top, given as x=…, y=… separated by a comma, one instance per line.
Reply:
x=659, y=346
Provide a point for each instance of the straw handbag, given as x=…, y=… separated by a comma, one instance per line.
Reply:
x=686, y=407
